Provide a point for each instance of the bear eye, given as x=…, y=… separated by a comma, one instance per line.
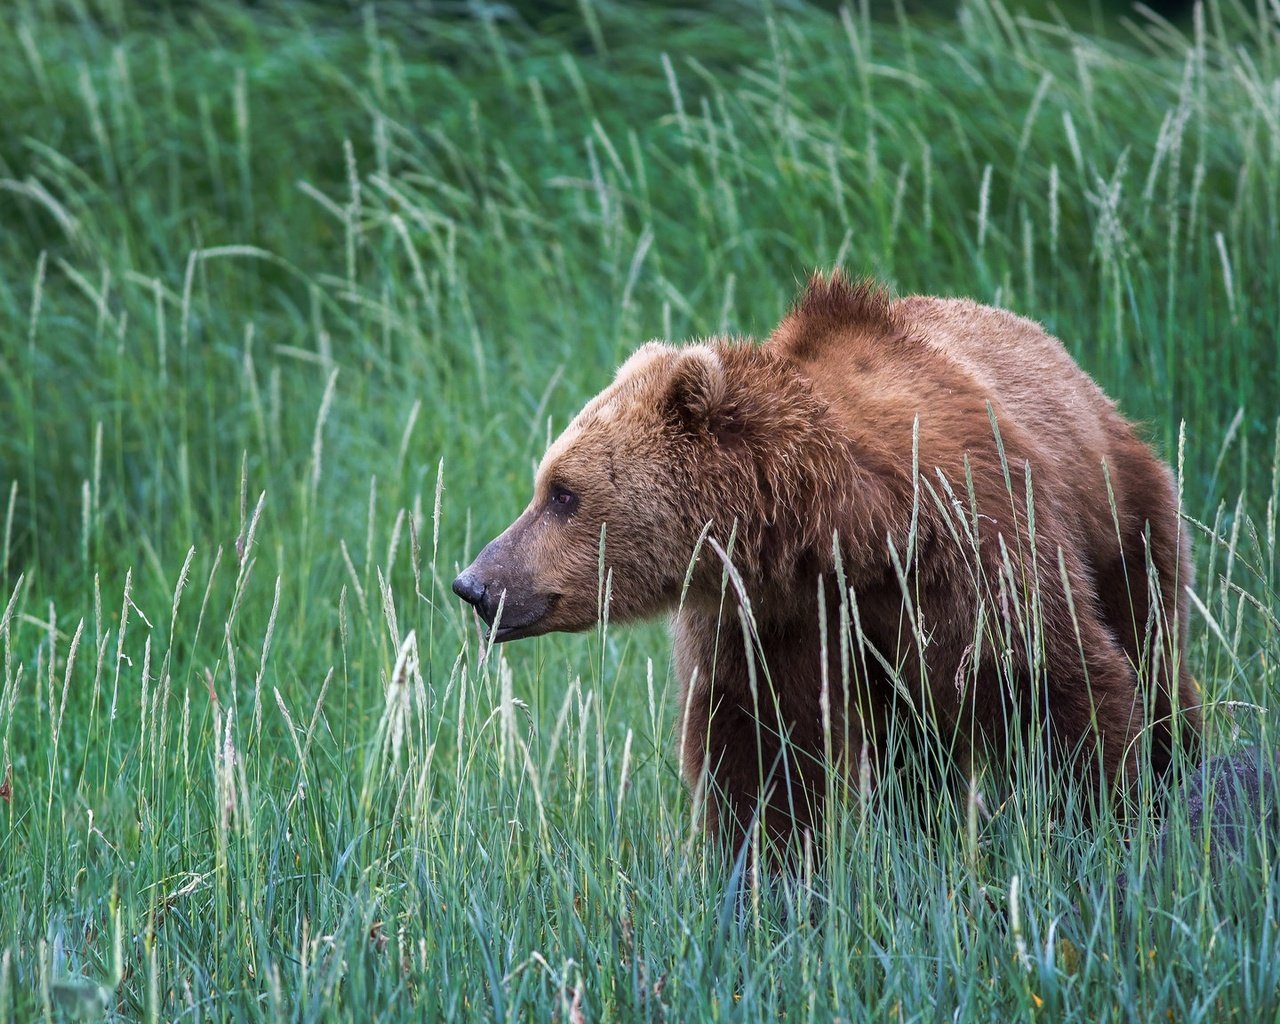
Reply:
x=562, y=500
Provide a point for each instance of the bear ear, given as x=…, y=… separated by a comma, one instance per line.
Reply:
x=695, y=389
x=644, y=359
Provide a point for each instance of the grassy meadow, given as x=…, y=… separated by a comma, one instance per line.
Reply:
x=291, y=300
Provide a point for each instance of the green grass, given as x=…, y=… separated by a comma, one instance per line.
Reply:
x=290, y=302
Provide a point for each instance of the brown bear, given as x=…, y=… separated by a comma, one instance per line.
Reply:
x=920, y=506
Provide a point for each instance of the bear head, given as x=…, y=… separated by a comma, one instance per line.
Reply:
x=622, y=482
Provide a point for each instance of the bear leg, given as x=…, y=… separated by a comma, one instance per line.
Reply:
x=1097, y=709
x=745, y=771
x=1151, y=544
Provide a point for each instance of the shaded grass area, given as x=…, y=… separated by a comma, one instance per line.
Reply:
x=290, y=302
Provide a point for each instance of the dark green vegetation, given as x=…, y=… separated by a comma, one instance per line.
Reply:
x=288, y=308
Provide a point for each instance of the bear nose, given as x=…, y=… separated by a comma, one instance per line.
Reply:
x=470, y=589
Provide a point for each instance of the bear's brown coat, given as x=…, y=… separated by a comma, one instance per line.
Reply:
x=906, y=435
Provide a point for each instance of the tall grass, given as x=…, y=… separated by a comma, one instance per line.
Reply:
x=290, y=302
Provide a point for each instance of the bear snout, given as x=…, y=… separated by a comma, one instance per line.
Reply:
x=470, y=589
x=486, y=586
x=479, y=592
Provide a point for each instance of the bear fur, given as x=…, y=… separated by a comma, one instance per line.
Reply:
x=939, y=474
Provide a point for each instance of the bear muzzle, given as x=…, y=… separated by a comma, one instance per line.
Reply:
x=524, y=613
